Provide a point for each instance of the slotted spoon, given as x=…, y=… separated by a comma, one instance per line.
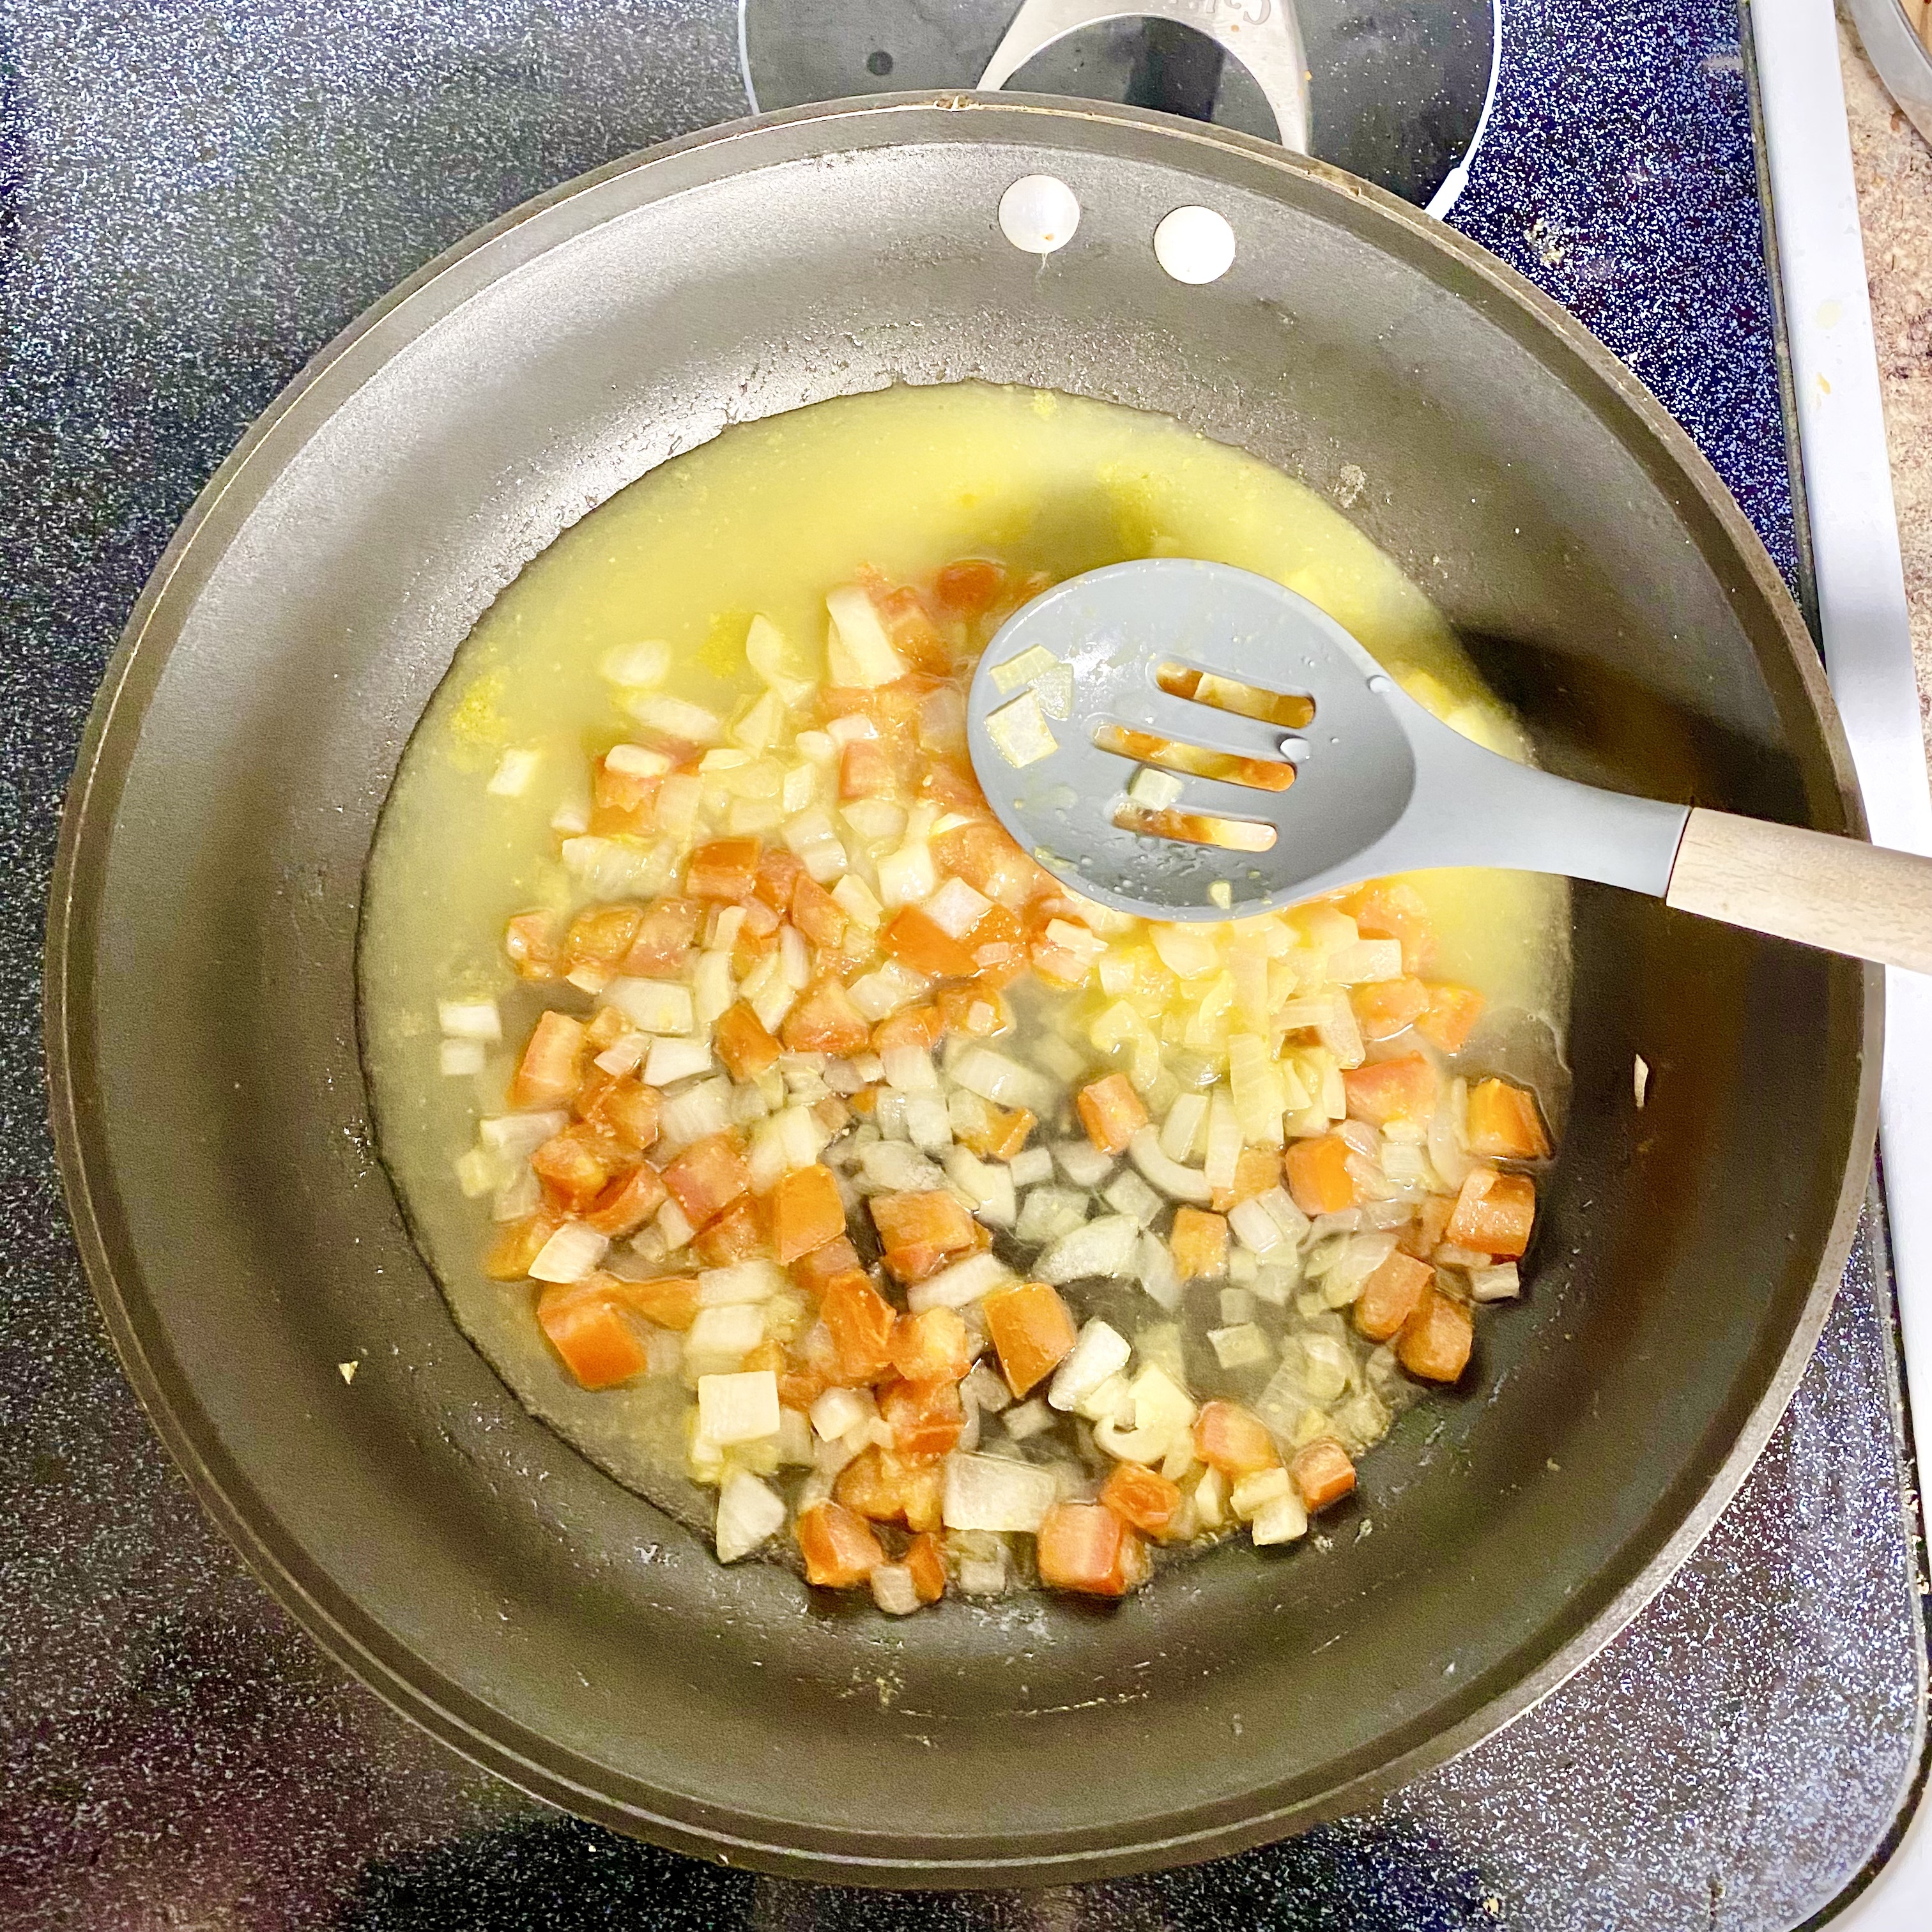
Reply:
x=1380, y=784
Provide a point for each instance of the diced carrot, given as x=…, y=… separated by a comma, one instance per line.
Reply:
x=1435, y=1341
x=966, y=588
x=914, y=635
x=1200, y=1243
x=600, y=936
x=665, y=938
x=998, y=946
x=588, y=1330
x=622, y=802
x=738, y=1235
x=1317, y=1171
x=912, y=938
x=529, y=939
x=552, y=1064
x=1256, y=1170
x=1142, y=1497
x=920, y=1231
x=1450, y=1016
x=1031, y=1329
x=806, y=1211
x=953, y=788
x=824, y=1020
x=989, y=862
x=1386, y=1007
x=625, y=1205
x=860, y=1320
x=812, y=1271
x=800, y=1385
x=1391, y=1090
x=707, y=1178
x=816, y=913
x=974, y=1011
x=1391, y=1295
x=840, y=1551
x=1388, y=909
x=1322, y=1471
x=1503, y=1123
x=865, y=770
x=621, y=1105
x=779, y=872
x=518, y=1244
x=927, y=1561
x=891, y=1488
x=1494, y=1213
x=1085, y=1547
x=926, y=1418
x=606, y=1026
x=920, y=1027
x=669, y=1300
x=931, y=1347
x=1003, y=1135
x=1424, y=1235
x=742, y=1043
x=1227, y=1437
x=726, y=869
x=576, y=1165
x=1110, y=1112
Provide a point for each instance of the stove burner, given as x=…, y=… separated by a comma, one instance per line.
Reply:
x=1397, y=90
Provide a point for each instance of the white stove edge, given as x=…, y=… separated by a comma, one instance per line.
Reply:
x=1867, y=646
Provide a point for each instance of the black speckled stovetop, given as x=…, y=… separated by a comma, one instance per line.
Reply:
x=194, y=195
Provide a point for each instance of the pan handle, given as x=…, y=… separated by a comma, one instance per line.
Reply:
x=1840, y=894
x=1264, y=35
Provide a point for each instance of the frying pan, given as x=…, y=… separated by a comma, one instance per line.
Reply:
x=242, y=1237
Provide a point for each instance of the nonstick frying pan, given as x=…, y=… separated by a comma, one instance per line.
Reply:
x=214, y=1133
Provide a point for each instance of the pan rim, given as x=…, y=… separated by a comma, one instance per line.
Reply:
x=355, y=1640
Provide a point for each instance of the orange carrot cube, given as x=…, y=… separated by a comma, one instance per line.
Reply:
x=840, y=1551
x=622, y=803
x=1227, y=1437
x=1503, y=1123
x=927, y=1561
x=1390, y=910
x=824, y=1020
x=1323, y=1473
x=918, y=1232
x=817, y=914
x=926, y=1418
x=974, y=1011
x=1085, y=1547
x=590, y=1332
x=912, y=938
x=1424, y=1235
x=1003, y=1135
x=931, y=1347
x=626, y=1204
x=966, y=588
x=806, y=1211
x=668, y=1300
x=1200, y=1243
x=1318, y=1176
x=1256, y=1170
x=1032, y=1331
x=920, y=1027
x=1110, y=1112
x=737, y=1234
x=990, y=862
x=620, y=1105
x=726, y=869
x=742, y=1043
x=914, y=635
x=1386, y=1007
x=812, y=1271
x=1391, y=1090
x=518, y=1244
x=600, y=936
x=1450, y=1016
x=1142, y=1497
x=860, y=1320
x=707, y=1178
x=1494, y=1213
x=887, y=1487
x=665, y=936
x=998, y=946
x=779, y=872
x=865, y=770
x=576, y=1165
x=552, y=1064
x=1391, y=1295
x=1435, y=1341
x=530, y=942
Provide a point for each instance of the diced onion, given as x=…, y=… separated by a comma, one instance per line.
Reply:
x=517, y=1136
x=1082, y=1163
x=907, y=875
x=1098, y=1351
x=955, y=1286
x=1128, y=1194
x=741, y=1407
x=676, y=717
x=884, y=991
x=1030, y=1167
x=511, y=778
x=1448, y=1131
x=1047, y=1213
x=456, y=1058
x=896, y=1168
x=653, y=1005
x=858, y=901
x=725, y=1336
x=1360, y=1257
x=926, y=1124
x=992, y=1493
x=1253, y=1226
x=637, y=665
x=1027, y=1420
x=1280, y=1519
x=910, y=1068
x=478, y=1172
x=670, y=1061
x=840, y=1410
x=470, y=1019
x=1184, y=1131
x=1501, y=1283
x=893, y=1590
x=743, y=1281
x=1177, y=1183
x=1104, y=1246
x=1224, y=1141
x=955, y=908
x=749, y=1513
x=570, y=1254
x=1189, y=952
x=1366, y=961
x=858, y=652
x=1005, y=1082
x=988, y=1389
x=1159, y=1275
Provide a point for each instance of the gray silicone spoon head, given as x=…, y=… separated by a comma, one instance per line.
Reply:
x=1380, y=784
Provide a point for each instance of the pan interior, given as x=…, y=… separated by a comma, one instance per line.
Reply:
x=215, y=1124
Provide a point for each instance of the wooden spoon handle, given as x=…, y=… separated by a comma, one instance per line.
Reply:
x=1839, y=894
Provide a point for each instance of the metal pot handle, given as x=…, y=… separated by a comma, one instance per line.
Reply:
x=1264, y=35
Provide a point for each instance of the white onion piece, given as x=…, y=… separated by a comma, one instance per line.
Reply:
x=1178, y=1183
x=517, y=1136
x=897, y=1169
x=479, y=1172
x=1098, y=1351
x=858, y=652
x=910, y=1068
x=1501, y=1283
x=1030, y=1167
x=625, y=1055
x=987, y=1388
x=1128, y=1194
x=1184, y=1130
x=1448, y=1133
x=983, y=1575
x=988, y=1187
x=720, y=1338
x=1256, y=1229
x=954, y=1287
x=1326, y=1367
x=991, y=1492
x=1242, y=1346
x=1281, y=1519
x=1365, y=962
x=892, y=1589
x=470, y=1019
x=655, y=1005
x=742, y=1407
x=1360, y=1257
x=455, y=1058
x=926, y=1124
x=1224, y=1141
x=1104, y=1247
x=518, y=1197
x=749, y=1513
x=1027, y=1420
x=636, y=666
x=672, y=1225
x=1047, y=1213
x=1159, y=1278
x=886, y=989
x=955, y=908
x=1005, y=1082
x=670, y=1060
x=839, y=1410
x=743, y=1281
x=1082, y=1163
x=570, y=1254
